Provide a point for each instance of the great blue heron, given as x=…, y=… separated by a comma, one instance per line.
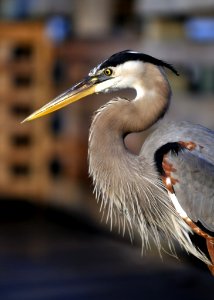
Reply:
x=168, y=187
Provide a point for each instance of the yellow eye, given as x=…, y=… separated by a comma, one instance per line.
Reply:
x=108, y=72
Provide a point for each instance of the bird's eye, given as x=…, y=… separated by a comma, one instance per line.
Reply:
x=108, y=72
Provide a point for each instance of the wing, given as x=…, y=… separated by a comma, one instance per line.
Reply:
x=194, y=185
x=192, y=169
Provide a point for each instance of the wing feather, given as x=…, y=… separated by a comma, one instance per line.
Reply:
x=195, y=186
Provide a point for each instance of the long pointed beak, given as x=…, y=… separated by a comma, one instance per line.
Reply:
x=77, y=92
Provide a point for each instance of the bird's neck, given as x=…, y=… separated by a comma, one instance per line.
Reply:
x=111, y=165
x=113, y=121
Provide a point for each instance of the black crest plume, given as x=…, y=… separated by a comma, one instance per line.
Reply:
x=128, y=55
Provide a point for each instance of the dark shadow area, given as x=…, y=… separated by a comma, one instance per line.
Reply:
x=48, y=254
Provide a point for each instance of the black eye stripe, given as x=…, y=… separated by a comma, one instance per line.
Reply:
x=127, y=55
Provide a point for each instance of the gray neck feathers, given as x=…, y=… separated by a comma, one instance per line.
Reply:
x=108, y=157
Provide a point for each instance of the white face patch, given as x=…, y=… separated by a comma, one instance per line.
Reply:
x=130, y=69
x=126, y=75
x=131, y=74
x=107, y=85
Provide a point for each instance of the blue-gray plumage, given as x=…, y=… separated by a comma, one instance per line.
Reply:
x=194, y=169
x=168, y=187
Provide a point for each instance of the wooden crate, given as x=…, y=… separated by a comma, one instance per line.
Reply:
x=31, y=154
x=26, y=63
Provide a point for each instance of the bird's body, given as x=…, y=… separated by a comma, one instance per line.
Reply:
x=117, y=172
x=168, y=187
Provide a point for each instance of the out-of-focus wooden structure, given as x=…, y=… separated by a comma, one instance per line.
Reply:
x=26, y=61
x=45, y=160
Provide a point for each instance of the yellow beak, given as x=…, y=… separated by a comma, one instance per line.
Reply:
x=77, y=92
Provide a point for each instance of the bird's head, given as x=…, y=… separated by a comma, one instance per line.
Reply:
x=121, y=70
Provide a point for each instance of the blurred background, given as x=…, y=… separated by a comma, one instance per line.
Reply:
x=53, y=244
